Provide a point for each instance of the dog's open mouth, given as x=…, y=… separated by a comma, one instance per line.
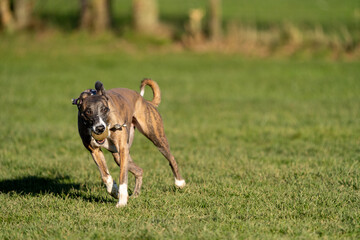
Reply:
x=100, y=141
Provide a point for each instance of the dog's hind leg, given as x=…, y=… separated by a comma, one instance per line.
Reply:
x=138, y=173
x=110, y=184
x=150, y=124
x=165, y=150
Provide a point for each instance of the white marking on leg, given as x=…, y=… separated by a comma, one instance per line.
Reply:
x=109, y=184
x=123, y=195
x=111, y=187
x=180, y=183
x=142, y=92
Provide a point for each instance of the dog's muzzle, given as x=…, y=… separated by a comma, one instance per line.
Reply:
x=100, y=138
x=99, y=129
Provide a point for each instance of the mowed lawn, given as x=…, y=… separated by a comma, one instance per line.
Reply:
x=269, y=148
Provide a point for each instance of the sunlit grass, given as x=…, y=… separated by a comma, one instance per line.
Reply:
x=269, y=148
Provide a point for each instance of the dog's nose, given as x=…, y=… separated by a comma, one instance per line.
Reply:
x=99, y=129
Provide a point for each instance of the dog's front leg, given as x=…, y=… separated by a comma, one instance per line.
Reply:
x=123, y=182
x=110, y=184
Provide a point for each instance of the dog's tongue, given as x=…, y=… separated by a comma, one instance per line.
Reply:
x=100, y=142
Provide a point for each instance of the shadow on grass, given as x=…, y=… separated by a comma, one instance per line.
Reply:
x=34, y=186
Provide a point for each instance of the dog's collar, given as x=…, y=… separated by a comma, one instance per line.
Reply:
x=118, y=127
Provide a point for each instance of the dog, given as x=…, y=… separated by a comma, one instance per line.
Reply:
x=108, y=119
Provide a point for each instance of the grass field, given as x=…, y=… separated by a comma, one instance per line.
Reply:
x=269, y=148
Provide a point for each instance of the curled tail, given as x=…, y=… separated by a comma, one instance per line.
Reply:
x=155, y=88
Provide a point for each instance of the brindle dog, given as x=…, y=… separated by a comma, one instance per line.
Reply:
x=108, y=119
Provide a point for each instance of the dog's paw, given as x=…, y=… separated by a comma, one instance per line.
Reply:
x=180, y=183
x=121, y=204
x=135, y=195
x=123, y=196
x=122, y=201
x=112, y=188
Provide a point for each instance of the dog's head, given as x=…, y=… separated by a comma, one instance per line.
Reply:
x=94, y=108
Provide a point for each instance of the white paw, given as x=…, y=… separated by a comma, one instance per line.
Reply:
x=123, y=196
x=121, y=204
x=180, y=183
x=112, y=188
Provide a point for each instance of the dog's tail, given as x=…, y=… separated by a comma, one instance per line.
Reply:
x=155, y=88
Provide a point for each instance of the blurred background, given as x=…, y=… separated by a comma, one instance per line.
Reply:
x=256, y=28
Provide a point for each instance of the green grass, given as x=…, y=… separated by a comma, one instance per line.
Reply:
x=269, y=148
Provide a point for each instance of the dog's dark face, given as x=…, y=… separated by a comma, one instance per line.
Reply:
x=94, y=109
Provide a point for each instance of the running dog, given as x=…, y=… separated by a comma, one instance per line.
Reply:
x=108, y=119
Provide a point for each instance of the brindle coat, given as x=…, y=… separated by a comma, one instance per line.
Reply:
x=129, y=109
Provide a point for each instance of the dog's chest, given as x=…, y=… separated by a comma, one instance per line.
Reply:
x=108, y=144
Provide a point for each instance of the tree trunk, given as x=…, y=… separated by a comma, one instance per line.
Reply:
x=145, y=16
x=85, y=14
x=20, y=18
x=7, y=18
x=95, y=15
x=195, y=26
x=215, y=20
x=102, y=15
x=23, y=13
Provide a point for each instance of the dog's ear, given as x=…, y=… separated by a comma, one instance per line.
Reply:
x=83, y=95
x=99, y=88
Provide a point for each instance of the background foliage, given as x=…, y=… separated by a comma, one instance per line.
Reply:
x=257, y=28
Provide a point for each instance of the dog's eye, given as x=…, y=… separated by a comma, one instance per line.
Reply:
x=105, y=109
x=88, y=111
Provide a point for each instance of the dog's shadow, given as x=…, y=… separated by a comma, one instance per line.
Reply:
x=57, y=186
